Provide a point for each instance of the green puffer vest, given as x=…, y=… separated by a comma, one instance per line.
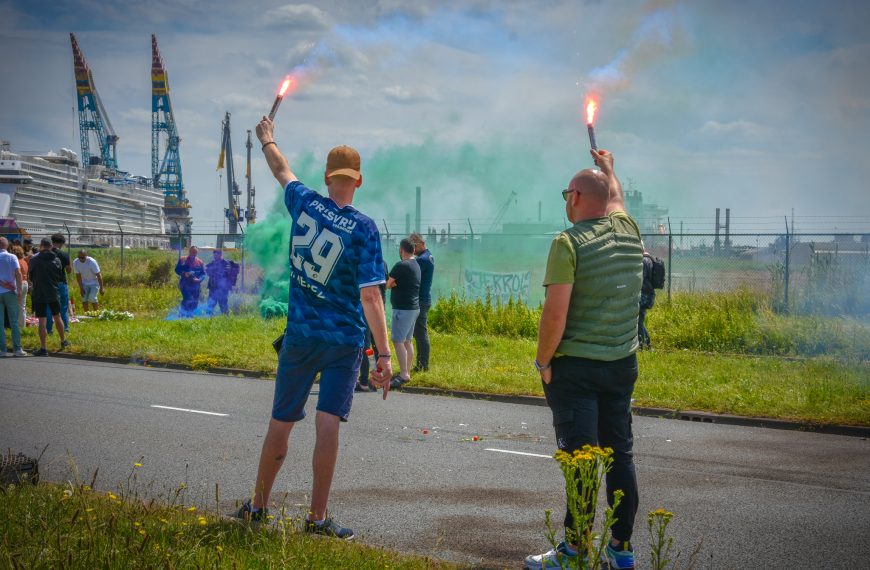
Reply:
x=602, y=315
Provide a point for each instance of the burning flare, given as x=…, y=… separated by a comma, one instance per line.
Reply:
x=288, y=81
x=591, y=109
x=285, y=86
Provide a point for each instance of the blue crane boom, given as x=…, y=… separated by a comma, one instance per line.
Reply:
x=92, y=114
x=166, y=171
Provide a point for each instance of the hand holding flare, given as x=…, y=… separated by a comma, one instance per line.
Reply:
x=281, y=92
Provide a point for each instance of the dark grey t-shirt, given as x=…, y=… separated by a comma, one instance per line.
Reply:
x=406, y=294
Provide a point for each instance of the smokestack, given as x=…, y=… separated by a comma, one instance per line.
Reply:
x=727, y=230
x=407, y=224
x=716, y=241
x=417, y=224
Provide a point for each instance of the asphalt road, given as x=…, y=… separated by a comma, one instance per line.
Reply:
x=750, y=497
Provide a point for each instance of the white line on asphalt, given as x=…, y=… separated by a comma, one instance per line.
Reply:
x=187, y=410
x=518, y=452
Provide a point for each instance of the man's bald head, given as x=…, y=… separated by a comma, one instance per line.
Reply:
x=590, y=192
x=592, y=185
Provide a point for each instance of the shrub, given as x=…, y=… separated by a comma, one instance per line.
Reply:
x=159, y=271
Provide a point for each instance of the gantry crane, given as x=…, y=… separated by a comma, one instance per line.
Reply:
x=166, y=173
x=92, y=115
x=502, y=211
x=251, y=209
x=225, y=160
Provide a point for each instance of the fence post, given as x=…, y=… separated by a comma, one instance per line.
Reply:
x=243, y=265
x=787, y=269
x=122, y=250
x=68, y=241
x=670, y=257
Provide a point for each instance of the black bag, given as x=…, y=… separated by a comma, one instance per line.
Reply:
x=278, y=343
x=658, y=273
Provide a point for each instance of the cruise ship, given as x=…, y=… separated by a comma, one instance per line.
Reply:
x=44, y=193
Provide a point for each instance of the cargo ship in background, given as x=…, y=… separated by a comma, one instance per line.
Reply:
x=44, y=193
x=91, y=199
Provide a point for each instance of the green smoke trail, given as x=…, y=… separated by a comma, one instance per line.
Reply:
x=458, y=180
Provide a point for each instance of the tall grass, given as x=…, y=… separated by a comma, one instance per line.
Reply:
x=741, y=322
x=73, y=526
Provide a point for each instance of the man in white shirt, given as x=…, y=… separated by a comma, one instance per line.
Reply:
x=90, y=279
x=10, y=298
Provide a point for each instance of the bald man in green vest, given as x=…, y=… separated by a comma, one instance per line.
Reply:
x=587, y=343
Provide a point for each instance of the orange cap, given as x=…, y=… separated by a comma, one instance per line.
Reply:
x=343, y=161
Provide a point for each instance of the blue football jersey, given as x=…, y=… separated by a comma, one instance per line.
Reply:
x=333, y=253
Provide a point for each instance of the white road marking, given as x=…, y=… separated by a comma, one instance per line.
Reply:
x=188, y=410
x=518, y=452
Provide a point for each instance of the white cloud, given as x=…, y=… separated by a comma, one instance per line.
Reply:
x=735, y=128
x=305, y=17
x=400, y=94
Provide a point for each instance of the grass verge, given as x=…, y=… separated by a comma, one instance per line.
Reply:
x=816, y=390
x=72, y=526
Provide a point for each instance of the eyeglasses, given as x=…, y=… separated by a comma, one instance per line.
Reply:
x=566, y=192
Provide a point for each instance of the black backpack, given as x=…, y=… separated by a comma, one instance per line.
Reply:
x=657, y=276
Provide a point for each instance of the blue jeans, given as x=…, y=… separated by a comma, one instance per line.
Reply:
x=63, y=295
x=591, y=404
x=9, y=306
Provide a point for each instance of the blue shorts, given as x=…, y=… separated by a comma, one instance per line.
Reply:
x=299, y=362
x=90, y=294
x=402, y=324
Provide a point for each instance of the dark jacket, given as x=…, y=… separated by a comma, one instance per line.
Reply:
x=46, y=272
x=196, y=270
x=647, y=292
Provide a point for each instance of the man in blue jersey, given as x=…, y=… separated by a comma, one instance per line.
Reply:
x=336, y=267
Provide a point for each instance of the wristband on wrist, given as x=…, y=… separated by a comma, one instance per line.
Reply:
x=268, y=143
x=384, y=355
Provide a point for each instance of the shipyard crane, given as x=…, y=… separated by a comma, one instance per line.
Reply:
x=166, y=172
x=92, y=115
x=226, y=160
x=251, y=209
x=502, y=211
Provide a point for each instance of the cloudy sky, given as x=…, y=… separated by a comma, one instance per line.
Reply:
x=757, y=106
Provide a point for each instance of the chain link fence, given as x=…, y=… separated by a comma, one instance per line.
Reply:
x=800, y=273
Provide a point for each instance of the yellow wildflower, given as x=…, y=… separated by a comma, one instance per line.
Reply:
x=137, y=524
x=202, y=521
x=219, y=548
x=89, y=509
x=137, y=464
x=191, y=509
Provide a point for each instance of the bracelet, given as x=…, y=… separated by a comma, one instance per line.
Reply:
x=268, y=143
x=384, y=355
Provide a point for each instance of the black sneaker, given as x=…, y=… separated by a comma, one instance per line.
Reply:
x=65, y=344
x=329, y=528
x=246, y=514
x=40, y=352
x=360, y=387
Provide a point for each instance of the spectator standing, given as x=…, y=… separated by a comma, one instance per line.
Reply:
x=191, y=272
x=421, y=327
x=46, y=274
x=647, y=300
x=404, y=285
x=11, y=293
x=18, y=251
x=593, y=279
x=57, y=243
x=335, y=268
x=90, y=280
x=221, y=279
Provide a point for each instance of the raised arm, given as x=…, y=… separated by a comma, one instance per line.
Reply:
x=604, y=160
x=276, y=161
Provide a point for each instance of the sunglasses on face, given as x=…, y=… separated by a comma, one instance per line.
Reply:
x=566, y=192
